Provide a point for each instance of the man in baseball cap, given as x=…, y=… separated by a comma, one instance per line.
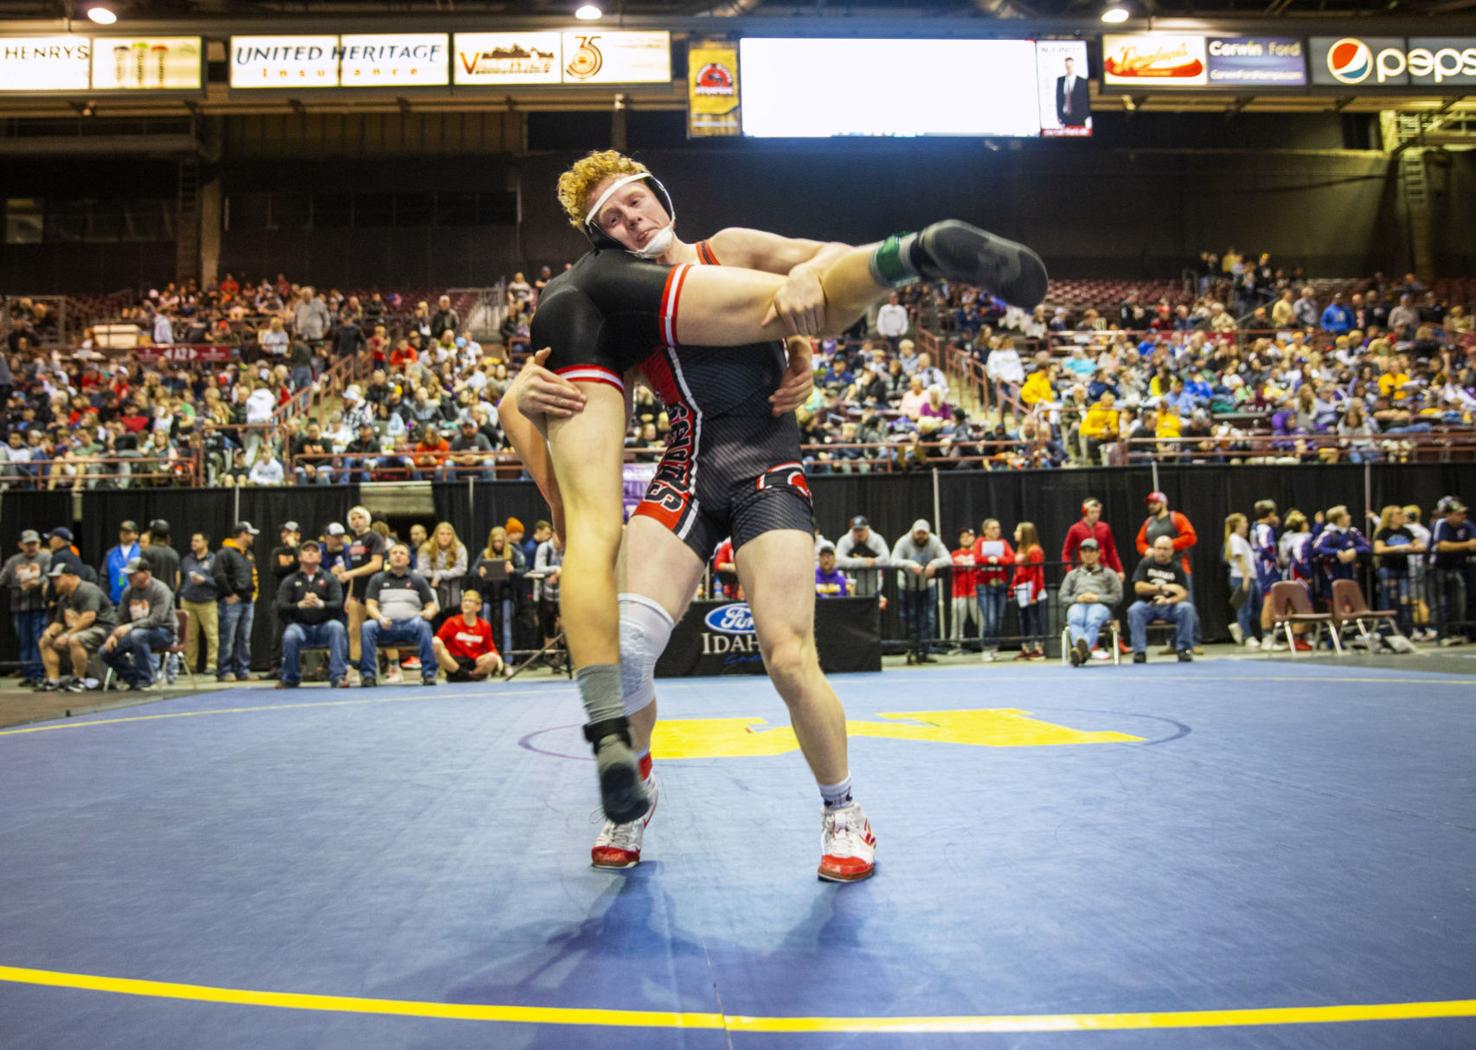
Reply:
x=863, y=552
x=1163, y=522
x=117, y=557
x=23, y=574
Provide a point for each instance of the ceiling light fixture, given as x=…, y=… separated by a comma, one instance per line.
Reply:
x=589, y=13
x=1115, y=15
x=101, y=15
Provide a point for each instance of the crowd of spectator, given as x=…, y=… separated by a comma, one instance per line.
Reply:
x=145, y=609
x=1424, y=576
x=1253, y=364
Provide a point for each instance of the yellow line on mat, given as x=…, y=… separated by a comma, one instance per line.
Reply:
x=560, y=1015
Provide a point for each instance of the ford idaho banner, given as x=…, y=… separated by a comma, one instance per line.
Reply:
x=720, y=638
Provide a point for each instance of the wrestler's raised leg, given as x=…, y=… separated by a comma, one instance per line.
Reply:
x=730, y=306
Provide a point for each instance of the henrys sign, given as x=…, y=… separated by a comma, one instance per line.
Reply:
x=45, y=63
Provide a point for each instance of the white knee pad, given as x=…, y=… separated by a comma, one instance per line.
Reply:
x=645, y=629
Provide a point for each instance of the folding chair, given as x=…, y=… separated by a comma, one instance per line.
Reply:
x=1290, y=605
x=1110, y=627
x=1349, y=606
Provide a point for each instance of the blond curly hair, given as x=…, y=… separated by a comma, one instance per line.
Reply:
x=587, y=173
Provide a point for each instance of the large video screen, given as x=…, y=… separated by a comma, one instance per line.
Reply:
x=822, y=88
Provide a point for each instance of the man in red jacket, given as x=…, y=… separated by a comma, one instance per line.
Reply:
x=1092, y=526
x=1163, y=522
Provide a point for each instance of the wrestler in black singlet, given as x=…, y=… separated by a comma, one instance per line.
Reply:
x=730, y=467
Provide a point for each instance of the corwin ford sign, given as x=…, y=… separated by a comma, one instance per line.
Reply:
x=1375, y=62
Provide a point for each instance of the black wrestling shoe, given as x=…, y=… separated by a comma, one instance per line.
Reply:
x=622, y=794
x=955, y=251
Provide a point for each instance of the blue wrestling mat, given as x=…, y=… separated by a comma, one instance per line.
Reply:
x=1252, y=853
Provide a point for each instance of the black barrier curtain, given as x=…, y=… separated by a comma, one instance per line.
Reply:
x=215, y=511
x=19, y=511
x=475, y=508
x=314, y=508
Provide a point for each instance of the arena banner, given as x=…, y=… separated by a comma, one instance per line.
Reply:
x=152, y=63
x=296, y=62
x=713, y=103
x=350, y=60
x=1379, y=62
x=1062, y=79
x=1154, y=60
x=393, y=60
x=45, y=63
x=506, y=58
x=574, y=57
x=1256, y=61
x=716, y=638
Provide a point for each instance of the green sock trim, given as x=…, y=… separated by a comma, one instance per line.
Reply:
x=889, y=266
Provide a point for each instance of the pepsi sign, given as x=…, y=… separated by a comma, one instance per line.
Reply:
x=1375, y=62
x=733, y=618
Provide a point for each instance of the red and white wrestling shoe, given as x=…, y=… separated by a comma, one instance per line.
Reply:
x=847, y=846
x=619, y=845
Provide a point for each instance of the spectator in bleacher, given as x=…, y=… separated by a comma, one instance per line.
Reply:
x=1337, y=319
x=863, y=553
x=1100, y=427
x=273, y=340
x=830, y=582
x=470, y=453
x=1090, y=593
x=145, y=622
x=518, y=290
x=310, y=317
x=1283, y=311
x=445, y=319
x=267, y=469
x=1453, y=541
x=914, y=398
x=24, y=575
x=1305, y=310
x=309, y=601
x=1404, y=318
x=114, y=569
x=919, y=556
x=891, y=320
x=84, y=619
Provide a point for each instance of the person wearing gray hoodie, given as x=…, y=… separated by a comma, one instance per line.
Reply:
x=918, y=557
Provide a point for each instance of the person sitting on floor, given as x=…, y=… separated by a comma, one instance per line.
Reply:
x=464, y=647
